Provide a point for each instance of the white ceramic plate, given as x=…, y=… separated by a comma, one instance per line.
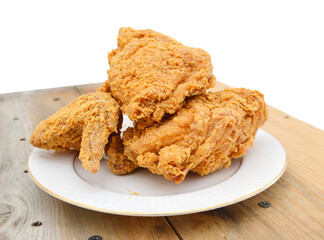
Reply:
x=142, y=193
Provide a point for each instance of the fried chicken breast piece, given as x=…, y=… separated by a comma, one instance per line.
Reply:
x=203, y=136
x=252, y=118
x=117, y=161
x=85, y=124
x=151, y=74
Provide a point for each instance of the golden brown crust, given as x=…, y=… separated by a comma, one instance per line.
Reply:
x=254, y=115
x=118, y=163
x=84, y=125
x=151, y=74
x=203, y=136
x=161, y=85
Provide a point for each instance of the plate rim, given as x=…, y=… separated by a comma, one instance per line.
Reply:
x=167, y=213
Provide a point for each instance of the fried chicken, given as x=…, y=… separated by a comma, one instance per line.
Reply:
x=85, y=124
x=151, y=74
x=118, y=163
x=203, y=136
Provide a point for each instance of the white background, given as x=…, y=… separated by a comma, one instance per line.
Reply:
x=276, y=47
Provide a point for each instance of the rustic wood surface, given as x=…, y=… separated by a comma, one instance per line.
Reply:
x=26, y=212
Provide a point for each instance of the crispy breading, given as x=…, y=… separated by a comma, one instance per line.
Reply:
x=203, y=136
x=118, y=163
x=151, y=74
x=85, y=124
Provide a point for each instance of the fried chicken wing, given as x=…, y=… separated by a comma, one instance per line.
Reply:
x=151, y=74
x=203, y=136
x=85, y=124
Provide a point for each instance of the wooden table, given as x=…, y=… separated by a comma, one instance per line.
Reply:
x=297, y=199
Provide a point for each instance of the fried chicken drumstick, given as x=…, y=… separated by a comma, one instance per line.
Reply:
x=85, y=124
x=151, y=74
x=203, y=136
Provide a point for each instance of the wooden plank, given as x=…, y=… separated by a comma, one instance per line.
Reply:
x=22, y=202
x=297, y=199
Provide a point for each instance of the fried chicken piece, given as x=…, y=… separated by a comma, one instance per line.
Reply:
x=85, y=124
x=254, y=116
x=118, y=163
x=203, y=136
x=151, y=74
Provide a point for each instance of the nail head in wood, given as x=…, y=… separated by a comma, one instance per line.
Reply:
x=56, y=99
x=95, y=237
x=264, y=204
x=37, y=224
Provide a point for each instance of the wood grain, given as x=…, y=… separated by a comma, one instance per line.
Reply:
x=22, y=202
x=297, y=199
